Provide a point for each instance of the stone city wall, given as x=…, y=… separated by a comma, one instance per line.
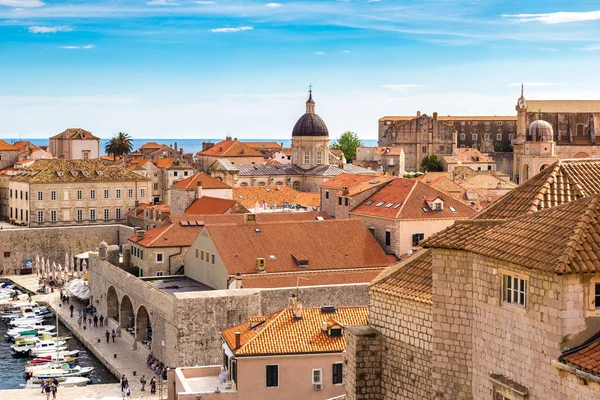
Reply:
x=18, y=245
x=504, y=162
x=362, y=359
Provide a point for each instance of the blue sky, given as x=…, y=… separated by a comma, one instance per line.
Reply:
x=203, y=69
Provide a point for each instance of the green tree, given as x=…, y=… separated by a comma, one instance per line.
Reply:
x=431, y=163
x=119, y=145
x=347, y=143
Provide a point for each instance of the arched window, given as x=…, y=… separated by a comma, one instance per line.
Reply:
x=261, y=184
x=296, y=185
x=278, y=183
x=243, y=184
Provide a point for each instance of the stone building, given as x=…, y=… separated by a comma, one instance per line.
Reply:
x=310, y=139
x=75, y=144
x=148, y=216
x=423, y=135
x=234, y=151
x=468, y=157
x=70, y=192
x=185, y=191
x=9, y=154
x=387, y=159
x=261, y=199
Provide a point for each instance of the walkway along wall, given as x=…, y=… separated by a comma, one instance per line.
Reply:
x=186, y=326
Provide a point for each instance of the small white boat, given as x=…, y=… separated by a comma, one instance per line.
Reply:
x=72, y=381
x=37, y=344
x=25, y=321
x=57, y=356
x=45, y=351
x=65, y=371
x=27, y=330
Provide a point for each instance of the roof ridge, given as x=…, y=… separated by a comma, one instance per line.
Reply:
x=390, y=270
x=545, y=187
x=406, y=199
x=264, y=328
x=160, y=234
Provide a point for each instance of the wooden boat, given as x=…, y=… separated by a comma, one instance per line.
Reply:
x=26, y=330
x=65, y=371
x=63, y=356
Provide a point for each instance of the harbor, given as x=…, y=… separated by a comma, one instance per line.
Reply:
x=109, y=360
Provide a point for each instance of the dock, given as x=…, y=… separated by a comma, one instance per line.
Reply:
x=127, y=361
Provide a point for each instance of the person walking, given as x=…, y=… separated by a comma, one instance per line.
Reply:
x=113, y=334
x=71, y=308
x=107, y=336
x=79, y=321
x=123, y=384
x=153, y=385
x=143, y=382
x=29, y=297
x=95, y=321
x=47, y=389
x=128, y=392
x=89, y=322
x=101, y=320
x=43, y=386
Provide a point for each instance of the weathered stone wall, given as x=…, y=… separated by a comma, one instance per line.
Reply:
x=364, y=351
x=504, y=162
x=181, y=200
x=406, y=329
x=18, y=245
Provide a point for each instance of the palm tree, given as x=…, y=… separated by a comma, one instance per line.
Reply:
x=119, y=145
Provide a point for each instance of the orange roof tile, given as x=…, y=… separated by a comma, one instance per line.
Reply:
x=328, y=245
x=405, y=199
x=206, y=181
x=163, y=162
x=4, y=146
x=231, y=148
x=308, y=199
x=75, y=134
x=281, y=334
x=312, y=278
x=151, y=145
x=468, y=155
x=249, y=196
x=23, y=143
x=264, y=145
x=209, y=205
x=585, y=357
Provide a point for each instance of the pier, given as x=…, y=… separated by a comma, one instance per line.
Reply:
x=127, y=361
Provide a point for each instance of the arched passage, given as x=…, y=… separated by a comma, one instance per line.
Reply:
x=143, y=327
x=524, y=173
x=112, y=303
x=126, y=314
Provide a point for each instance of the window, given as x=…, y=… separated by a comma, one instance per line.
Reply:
x=118, y=213
x=159, y=273
x=106, y=193
x=319, y=157
x=417, y=237
x=142, y=192
x=317, y=376
x=346, y=202
x=118, y=193
x=174, y=173
x=437, y=206
x=80, y=195
x=337, y=376
x=511, y=136
x=21, y=193
x=597, y=295
x=160, y=257
x=296, y=185
x=106, y=213
x=498, y=122
x=156, y=186
x=579, y=130
x=424, y=136
x=92, y=214
x=339, y=201
x=306, y=157
x=474, y=136
x=326, y=195
x=40, y=217
x=499, y=136
x=185, y=173
x=85, y=154
x=11, y=193
x=442, y=149
x=92, y=194
x=514, y=290
x=130, y=193
x=202, y=255
x=388, y=238
x=423, y=149
x=213, y=259
x=487, y=136
x=53, y=216
x=462, y=136
x=40, y=196
x=272, y=375
x=53, y=195
x=79, y=215
x=196, y=253
x=26, y=195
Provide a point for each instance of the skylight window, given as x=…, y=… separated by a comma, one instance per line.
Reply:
x=74, y=173
x=379, y=204
x=272, y=257
x=426, y=211
x=373, y=182
x=368, y=203
x=388, y=205
x=397, y=206
x=452, y=208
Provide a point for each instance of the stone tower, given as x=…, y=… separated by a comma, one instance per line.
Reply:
x=310, y=139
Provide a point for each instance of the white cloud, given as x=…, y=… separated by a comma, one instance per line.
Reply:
x=205, y=2
x=85, y=47
x=592, y=47
x=345, y=51
x=535, y=84
x=402, y=86
x=162, y=3
x=49, y=29
x=560, y=17
x=273, y=5
x=22, y=3
x=319, y=53
x=373, y=1
x=228, y=30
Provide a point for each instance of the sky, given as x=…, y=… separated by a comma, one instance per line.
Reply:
x=204, y=69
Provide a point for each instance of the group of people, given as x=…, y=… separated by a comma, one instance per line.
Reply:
x=156, y=366
x=65, y=298
x=126, y=390
x=50, y=387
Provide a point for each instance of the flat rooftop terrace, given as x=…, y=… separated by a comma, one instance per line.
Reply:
x=176, y=284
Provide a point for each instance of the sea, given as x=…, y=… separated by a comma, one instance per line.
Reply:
x=188, y=145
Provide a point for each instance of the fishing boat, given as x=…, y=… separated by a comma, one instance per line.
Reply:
x=34, y=383
x=41, y=352
x=56, y=357
x=27, y=330
x=31, y=369
x=25, y=321
x=25, y=346
x=64, y=371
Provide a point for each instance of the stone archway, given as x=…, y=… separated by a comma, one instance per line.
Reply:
x=143, y=326
x=112, y=304
x=525, y=172
x=127, y=317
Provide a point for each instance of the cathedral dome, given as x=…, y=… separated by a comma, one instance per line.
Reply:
x=310, y=124
x=540, y=131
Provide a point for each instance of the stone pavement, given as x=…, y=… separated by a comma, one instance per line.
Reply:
x=127, y=361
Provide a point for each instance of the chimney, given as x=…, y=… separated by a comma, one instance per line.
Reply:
x=435, y=114
x=199, y=189
x=249, y=218
x=238, y=281
x=324, y=326
x=235, y=139
x=418, y=114
x=175, y=146
x=228, y=137
x=238, y=340
x=139, y=234
x=137, y=203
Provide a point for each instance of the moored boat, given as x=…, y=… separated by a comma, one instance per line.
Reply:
x=34, y=383
x=65, y=371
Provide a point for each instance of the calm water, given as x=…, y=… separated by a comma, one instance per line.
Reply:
x=188, y=145
x=11, y=368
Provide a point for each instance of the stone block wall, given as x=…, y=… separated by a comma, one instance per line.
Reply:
x=380, y=226
x=362, y=361
x=406, y=329
x=181, y=200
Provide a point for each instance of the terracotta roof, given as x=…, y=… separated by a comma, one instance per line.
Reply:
x=468, y=155
x=106, y=157
x=281, y=334
x=316, y=278
x=23, y=143
x=456, y=117
x=206, y=181
x=63, y=171
x=327, y=245
x=4, y=146
x=563, y=106
x=249, y=196
x=184, y=235
x=209, y=205
x=272, y=161
x=397, y=118
x=308, y=199
x=562, y=182
x=151, y=145
x=139, y=210
x=163, y=162
x=354, y=184
x=388, y=150
x=410, y=279
x=230, y=148
x=405, y=199
x=264, y=145
x=563, y=239
x=337, y=153
x=585, y=357
x=75, y=134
